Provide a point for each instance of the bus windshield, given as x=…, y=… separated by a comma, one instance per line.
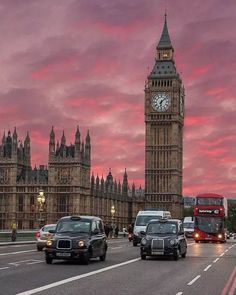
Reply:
x=142, y=220
x=209, y=224
x=210, y=201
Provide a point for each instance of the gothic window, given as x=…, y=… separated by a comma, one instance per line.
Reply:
x=20, y=203
x=63, y=204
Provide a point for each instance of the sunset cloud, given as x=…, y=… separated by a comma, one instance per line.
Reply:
x=84, y=62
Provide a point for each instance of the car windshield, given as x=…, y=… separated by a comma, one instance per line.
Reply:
x=142, y=220
x=48, y=228
x=73, y=226
x=188, y=225
x=162, y=228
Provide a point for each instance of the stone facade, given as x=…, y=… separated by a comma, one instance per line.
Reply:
x=67, y=183
x=164, y=120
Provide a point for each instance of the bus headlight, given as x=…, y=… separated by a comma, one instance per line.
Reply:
x=49, y=243
x=196, y=235
x=220, y=236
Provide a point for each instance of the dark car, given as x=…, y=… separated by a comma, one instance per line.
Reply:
x=77, y=237
x=162, y=238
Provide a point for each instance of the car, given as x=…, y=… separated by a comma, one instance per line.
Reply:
x=164, y=237
x=188, y=229
x=43, y=235
x=77, y=237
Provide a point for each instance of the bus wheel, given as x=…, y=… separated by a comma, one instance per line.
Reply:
x=196, y=241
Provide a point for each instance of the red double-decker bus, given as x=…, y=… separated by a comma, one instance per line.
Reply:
x=210, y=212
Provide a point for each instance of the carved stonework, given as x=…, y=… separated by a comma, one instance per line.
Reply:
x=4, y=176
x=63, y=176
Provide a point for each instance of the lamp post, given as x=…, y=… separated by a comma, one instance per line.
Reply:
x=41, y=201
x=113, y=211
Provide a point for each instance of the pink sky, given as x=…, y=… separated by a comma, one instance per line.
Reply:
x=67, y=63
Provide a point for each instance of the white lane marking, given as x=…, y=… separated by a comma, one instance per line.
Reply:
x=16, y=263
x=18, y=252
x=179, y=293
x=194, y=280
x=222, y=254
x=216, y=260
x=119, y=247
x=35, y=262
x=226, y=250
x=191, y=244
x=62, y=282
x=206, y=269
x=4, y=267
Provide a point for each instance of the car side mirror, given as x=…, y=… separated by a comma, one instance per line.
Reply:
x=95, y=232
x=52, y=231
x=143, y=233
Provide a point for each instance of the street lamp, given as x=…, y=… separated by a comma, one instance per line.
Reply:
x=113, y=211
x=41, y=201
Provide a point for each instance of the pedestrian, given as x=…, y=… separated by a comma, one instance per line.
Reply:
x=124, y=231
x=107, y=230
x=116, y=231
x=13, y=231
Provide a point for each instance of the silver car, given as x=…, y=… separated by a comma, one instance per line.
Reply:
x=43, y=235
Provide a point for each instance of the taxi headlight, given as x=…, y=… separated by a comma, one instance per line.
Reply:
x=173, y=242
x=49, y=243
x=81, y=243
x=143, y=242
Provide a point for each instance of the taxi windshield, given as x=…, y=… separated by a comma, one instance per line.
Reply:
x=161, y=228
x=73, y=226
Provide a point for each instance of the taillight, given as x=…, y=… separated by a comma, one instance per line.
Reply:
x=37, y=234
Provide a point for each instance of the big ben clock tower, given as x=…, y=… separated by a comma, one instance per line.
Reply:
x=164, y=121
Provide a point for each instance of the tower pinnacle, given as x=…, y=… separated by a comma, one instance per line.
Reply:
x=165, y=42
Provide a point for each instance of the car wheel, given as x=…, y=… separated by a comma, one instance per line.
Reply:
x=103, y=257
x=48, y=260
x=196, y=241
x=135, y=244
x=39, y=248
x=86, y=258
x=143, y=256
x=176, y=254
x=183, y=255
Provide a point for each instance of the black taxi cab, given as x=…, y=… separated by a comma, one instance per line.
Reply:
x=77, y=237
x=164, y=237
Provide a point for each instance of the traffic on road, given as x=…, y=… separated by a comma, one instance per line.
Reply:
x=209, y=268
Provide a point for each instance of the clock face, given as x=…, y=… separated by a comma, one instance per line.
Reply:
x=161, y=102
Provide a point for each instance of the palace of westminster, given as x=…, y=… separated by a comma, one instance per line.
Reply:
x=67, y=183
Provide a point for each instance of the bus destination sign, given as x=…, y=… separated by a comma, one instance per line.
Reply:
x=208, y=211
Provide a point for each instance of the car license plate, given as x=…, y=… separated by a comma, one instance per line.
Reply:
x=157, y=252
x=63, y=254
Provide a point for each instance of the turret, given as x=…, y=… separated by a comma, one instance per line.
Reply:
x=125, y=184
x=14, y=143
x=52, y=144
x=63, y=145
x=77, y=142
x=3, y=145
x=87, y=147
x=27, y=149
x=8, y=145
